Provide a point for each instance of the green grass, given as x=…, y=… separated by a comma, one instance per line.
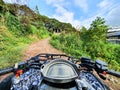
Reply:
x=11, y=48
x=69, y=43
x=72, y=44
x=15, y=37
x=11, y=56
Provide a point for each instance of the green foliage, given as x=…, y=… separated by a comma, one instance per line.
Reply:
x=94, y=38
x=114, y=65
x=1, y=2
x=37, y=10
x=69, y=43
x=55, y=41
x=14, y=25
x=40, y=33
x=117, y=54
x=10, y=47
x=91, y=43
x=15, y=35
x=98, y=30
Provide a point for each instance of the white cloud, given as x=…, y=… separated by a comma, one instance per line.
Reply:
x=55, y=2
x=106, y=6
x=104, y=3
x=7, y=1
x=113, y=17
x=22, y=2
x=109, y=10
x=61, y=13
x=87, y=22
x=65, y=16
x=82, y=4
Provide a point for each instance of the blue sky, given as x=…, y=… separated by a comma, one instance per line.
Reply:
x=77, y=12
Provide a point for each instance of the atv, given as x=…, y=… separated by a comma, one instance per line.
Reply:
x=56, y=72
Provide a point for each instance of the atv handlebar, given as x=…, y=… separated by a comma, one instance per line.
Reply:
x=6, y=70
x=99, y=66
x=114, y=73
x=41, y=58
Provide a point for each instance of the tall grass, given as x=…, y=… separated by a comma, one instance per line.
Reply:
x=40, y=33
x=15, y=37
x=11, y=47
x=72, y=44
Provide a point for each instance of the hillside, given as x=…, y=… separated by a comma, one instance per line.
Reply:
x=20, y=26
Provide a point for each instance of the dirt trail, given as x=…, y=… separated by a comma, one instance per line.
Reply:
x=35, y=48
x=41, y=46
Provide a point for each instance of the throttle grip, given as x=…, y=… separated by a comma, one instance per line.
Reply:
x=114, y=73
x=6, y=70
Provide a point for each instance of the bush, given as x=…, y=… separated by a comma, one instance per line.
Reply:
x=72, y=44
x=40, y=33
x=15, y=37
x=14, y=25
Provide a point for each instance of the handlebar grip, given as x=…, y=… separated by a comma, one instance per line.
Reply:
x=6, y=70
x=114, y=73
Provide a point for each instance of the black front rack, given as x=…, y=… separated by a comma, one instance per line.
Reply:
x=45, y=57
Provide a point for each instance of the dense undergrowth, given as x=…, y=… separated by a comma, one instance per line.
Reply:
x=15, y=37
x=72, y=44
x=90, y=43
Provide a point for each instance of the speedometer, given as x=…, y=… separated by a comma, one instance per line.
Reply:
x=59, y=71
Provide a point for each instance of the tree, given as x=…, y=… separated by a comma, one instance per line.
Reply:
x=84, y=34
x=83, y=29
x=94, y=38
x=37, y=10
x=98, y=29
x=1, y=2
